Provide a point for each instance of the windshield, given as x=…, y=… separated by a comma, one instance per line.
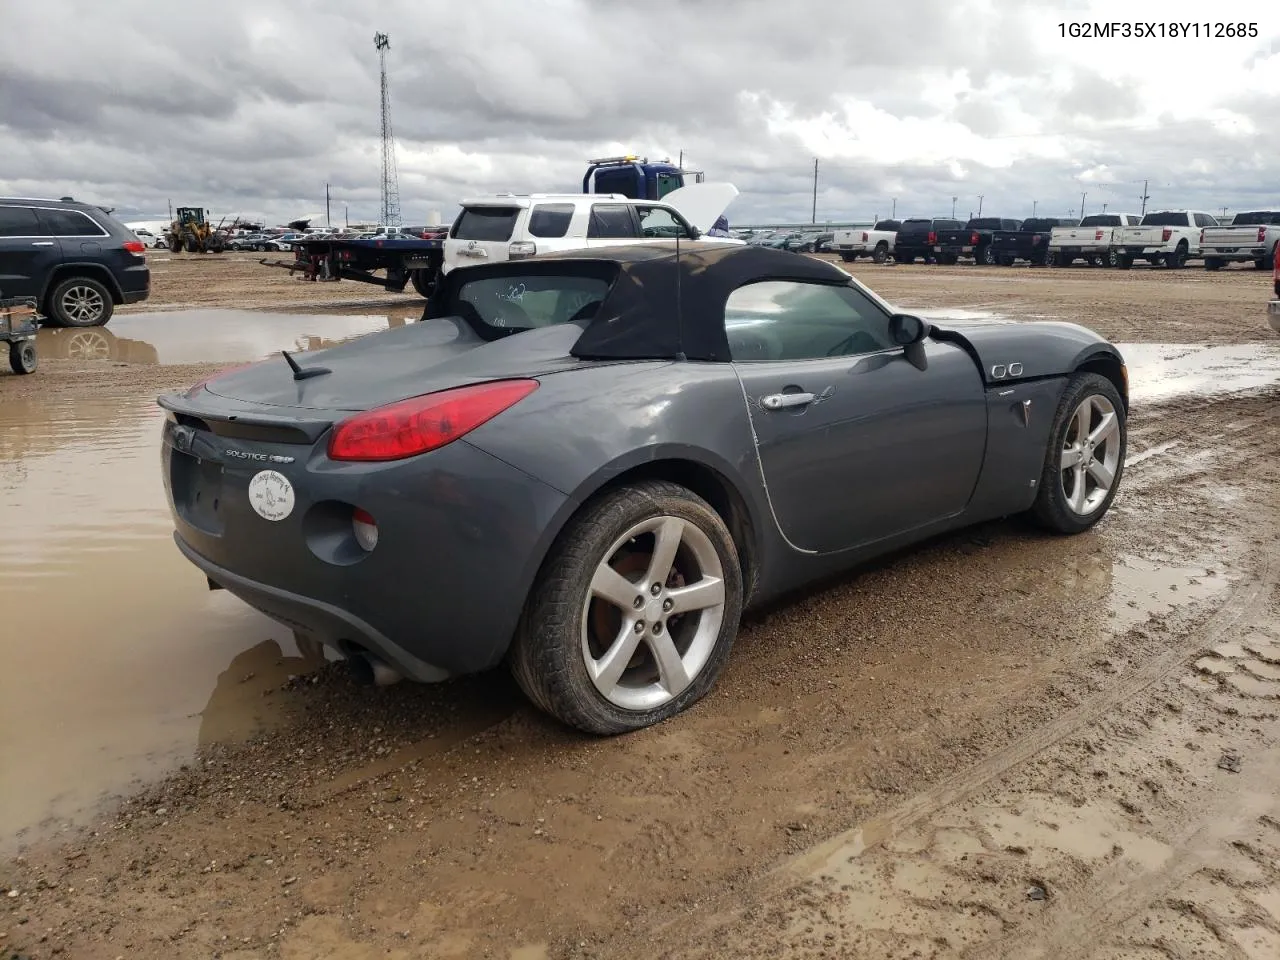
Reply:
x=1166, y=219
x=515, y=302
x=1259, y=219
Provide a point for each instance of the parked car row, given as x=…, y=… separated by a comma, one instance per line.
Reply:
x=797, y=241
x=1167, y=238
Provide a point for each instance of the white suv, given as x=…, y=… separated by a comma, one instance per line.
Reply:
x=510, y=226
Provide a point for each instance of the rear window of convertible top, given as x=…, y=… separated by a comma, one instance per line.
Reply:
x=518, y=301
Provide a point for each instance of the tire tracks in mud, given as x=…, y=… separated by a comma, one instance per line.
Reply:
x=947, y=874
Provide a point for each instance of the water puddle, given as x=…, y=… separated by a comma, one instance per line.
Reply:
x=206, y=335
x=1129, y=590
x=119, y=660
x=1162, y=371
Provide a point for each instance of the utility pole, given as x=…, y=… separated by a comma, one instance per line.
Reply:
x=1104, y=208
x=1224, y=213
x=1082, y=196
x=327, y=221
x=979, y=204
x=171, y=211
x=346, y=219
x=893, y=215
x=1033, y=207
x=390, y=177
x=1144, y=198
x=680, y=162
x=815, y=190
x=953, y=207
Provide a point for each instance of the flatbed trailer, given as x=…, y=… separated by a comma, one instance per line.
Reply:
x=407, y=261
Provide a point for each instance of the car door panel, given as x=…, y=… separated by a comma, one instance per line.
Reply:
x=882, y=447
x=28, y=254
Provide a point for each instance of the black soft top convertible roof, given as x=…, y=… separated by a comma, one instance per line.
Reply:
x=661, y=305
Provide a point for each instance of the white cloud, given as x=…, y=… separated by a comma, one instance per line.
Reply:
x=251, y=107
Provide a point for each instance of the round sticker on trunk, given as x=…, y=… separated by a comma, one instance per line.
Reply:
x=271, y=495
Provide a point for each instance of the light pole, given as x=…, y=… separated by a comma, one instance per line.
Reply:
x=979, y=204
x=953, y=207
x=1033, y=207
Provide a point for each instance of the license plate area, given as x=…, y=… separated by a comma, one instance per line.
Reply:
x=197, y=491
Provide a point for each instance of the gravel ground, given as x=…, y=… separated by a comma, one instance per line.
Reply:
x=995, y=743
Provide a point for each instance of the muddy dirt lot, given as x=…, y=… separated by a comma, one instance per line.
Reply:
x=996, y=745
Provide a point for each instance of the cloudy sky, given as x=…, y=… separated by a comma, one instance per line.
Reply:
x=251, y=107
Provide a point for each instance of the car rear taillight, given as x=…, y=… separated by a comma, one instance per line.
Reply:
x=135, y=246
x=1166, y=234
x=1097, y=235
x=520, y=249
x=1262, y=234
x=865, y=236
x=365, y=529
x=973, y=239
x=410, y=427
x=1201, y=237
x=932, y=238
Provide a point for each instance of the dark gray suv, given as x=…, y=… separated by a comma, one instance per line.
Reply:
x=75, y=259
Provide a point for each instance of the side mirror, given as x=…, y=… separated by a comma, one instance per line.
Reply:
x=909, y=333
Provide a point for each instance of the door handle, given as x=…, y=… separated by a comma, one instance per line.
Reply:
x=42, y=243
x=780, y=401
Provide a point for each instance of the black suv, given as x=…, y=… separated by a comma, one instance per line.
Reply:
x=75, y=259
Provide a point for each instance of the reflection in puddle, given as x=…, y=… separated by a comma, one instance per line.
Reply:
x=212, y=336
x=118, y=660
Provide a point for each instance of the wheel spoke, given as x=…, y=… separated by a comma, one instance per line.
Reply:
x=1109, y=426
x=1071, y=457
x=707, y=592
x=1084, y=416
x=607, y=671
x=1101, y=474
x=1080, y=490
x=608, y=584
x=670, y=667
x=666, y=543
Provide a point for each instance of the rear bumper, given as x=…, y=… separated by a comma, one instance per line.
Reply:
x=461, y=538
x=315, y=618
x=135, y=296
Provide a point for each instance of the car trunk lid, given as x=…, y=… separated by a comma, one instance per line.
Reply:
x=391, y=365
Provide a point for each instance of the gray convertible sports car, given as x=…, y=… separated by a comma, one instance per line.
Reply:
x=587, y=464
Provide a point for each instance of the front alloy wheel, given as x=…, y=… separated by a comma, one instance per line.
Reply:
x=1085, y=459
x=634, y=613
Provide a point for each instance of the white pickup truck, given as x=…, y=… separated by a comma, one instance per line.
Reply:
x=1250, y=236
x=1094, y=240
x=1170, y=237
x=874, y=242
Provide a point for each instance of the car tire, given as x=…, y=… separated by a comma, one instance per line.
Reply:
x=1212, y=263
x=881, y=252
x=22, y=357
x=1176, y=260
x=79, y=302
x=985, y=257
x=563, y=620
x=1262, y=263
x=848, y=257
x=423, y=280
x=1074, y=506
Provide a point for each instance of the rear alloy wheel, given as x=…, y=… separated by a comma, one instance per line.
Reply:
x=986, y=256
x=1176, y=260
x=881, y=253
x=22, y=356
x=1085, y=459
x=80, y=302
x=634, y=613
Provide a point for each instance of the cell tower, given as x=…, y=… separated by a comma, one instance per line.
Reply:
x=390, y=178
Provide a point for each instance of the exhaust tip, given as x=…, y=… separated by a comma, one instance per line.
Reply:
x=370, y=671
